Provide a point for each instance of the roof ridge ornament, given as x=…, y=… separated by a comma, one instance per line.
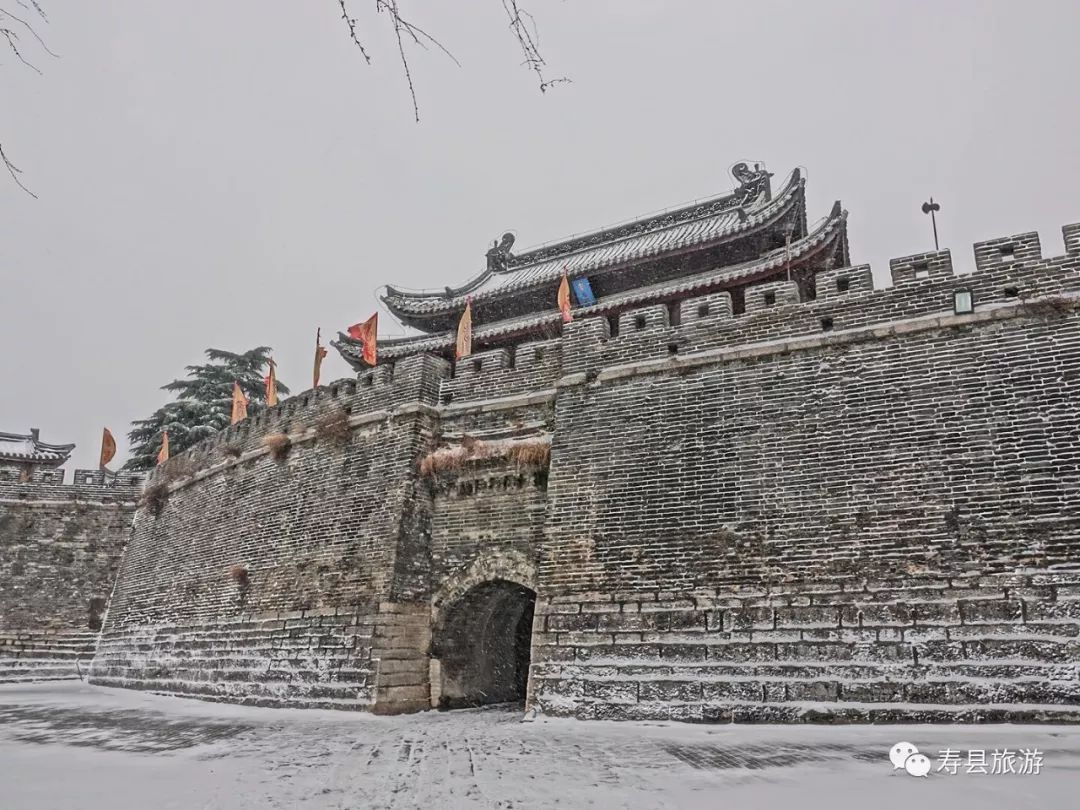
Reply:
x=751, y=181
x=498, y=255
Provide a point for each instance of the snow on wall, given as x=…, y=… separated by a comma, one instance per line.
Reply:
x=864, y=502
x=60, y=547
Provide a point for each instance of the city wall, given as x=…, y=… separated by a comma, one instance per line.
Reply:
x=60, y=548
x=861, y=506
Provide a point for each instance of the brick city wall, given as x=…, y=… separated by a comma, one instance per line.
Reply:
x=273, y=580
x=860, y=506
x=60, y=547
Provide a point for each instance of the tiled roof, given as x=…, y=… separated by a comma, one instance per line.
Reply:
x=17, y=447
x=828, y=232
x=708, y=222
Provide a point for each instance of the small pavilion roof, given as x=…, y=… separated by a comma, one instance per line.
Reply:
x=829, y=234
x=29, y=449
x=750, y=208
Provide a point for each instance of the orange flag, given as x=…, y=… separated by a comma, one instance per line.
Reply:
x=368, y=334
x=320, y=353
x=464, y=331
x=564, y=298
x=239, y=404
x=163, y=453
x=108, y=448
x=271, y=385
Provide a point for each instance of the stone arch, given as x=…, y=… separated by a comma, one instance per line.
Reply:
x=509, y=565
x=482, y=622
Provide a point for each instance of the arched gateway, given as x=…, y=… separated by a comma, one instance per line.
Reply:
x=482, y=635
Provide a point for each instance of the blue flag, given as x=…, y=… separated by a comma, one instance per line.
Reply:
x=583, y=292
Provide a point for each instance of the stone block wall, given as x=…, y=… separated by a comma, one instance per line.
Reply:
x=710, y=477
x=60, y=548
x=272, y=578
x=967, y=649
x=858, y=506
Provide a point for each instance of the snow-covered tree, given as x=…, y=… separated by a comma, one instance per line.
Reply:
x=203, y=405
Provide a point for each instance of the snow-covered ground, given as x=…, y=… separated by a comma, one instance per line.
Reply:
x=68, y=745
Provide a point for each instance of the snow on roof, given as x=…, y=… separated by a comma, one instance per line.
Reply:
x=706, y=222
x=27, y=447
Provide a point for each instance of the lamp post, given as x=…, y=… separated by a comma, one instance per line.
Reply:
x=932, y=208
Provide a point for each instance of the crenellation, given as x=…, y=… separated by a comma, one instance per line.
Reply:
x=841, y=283
x=1008, y=250
x=498, y=374
x=706, y=308
x=642, y=319
x=771, y=296
x=1071, y=234
x=933, y=266
x=481, y=362
x=584, y=342
x=540, y=357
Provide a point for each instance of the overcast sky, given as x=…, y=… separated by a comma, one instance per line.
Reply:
x=231, y=174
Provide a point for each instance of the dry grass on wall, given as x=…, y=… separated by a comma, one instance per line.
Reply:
x=156, y=495
x=239, y=575
x=232, y=451
x=530, y=453
x=447, y=459
x=278, y=444
x=523, y=453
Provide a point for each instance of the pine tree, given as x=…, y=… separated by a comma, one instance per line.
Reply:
x=203, y=405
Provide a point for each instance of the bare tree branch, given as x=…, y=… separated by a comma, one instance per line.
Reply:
x=11, y=36
x=14, y=171
x=351, y=23
x=5, y=13
x=522, y=25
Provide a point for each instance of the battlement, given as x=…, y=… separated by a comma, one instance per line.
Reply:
x=1071, y=234
x=49, y=484
x=843, y=282
x=1008, y=250
x=932, y=266
x=1010, y=272
x=1011, y=275
x=504, y=372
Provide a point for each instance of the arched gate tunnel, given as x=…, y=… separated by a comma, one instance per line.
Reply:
x=482, y=645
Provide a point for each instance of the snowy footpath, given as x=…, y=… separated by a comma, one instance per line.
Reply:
x=69, y=745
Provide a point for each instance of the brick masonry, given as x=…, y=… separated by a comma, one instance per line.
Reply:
x=860, y=507
x=60, y=547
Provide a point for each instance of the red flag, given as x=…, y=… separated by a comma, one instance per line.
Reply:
x=368, y=334
x=464, y=332
x=108, y=448
x=320, y=353
x=564, y=298
x=271, y=385
x=239, y=404
x=163, y=453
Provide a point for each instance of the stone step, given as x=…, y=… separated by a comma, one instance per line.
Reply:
x=955, y=692
x=227, y=676
x=709, y=670
x=818, y=713
x=273, y=691
x=38, y=677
